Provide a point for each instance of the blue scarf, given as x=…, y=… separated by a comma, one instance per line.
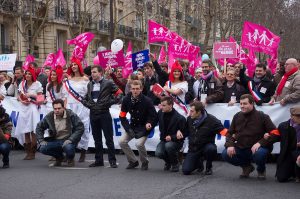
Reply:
x=197, y=122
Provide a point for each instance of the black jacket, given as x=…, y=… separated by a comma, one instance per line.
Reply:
x=266, y=88
x=176, y=122
x=163, y=76
x=74, y=126
x=106, y=98
x=288, y=144
x=237, y=89
x=141, y=113
x=203, y=134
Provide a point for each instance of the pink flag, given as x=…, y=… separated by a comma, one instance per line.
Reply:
x=81, y=43
x=50, y=60
x=29, y=58
x=157, y=32
x=162, y=55
x=127, y=69
x=272, y=62
x=60, y=59
x=259, y=39
x=194, y=64
x=252, y=63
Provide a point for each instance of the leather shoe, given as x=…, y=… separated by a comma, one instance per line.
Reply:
x=167, y=167
x=246, y=171
x=261, y=175
x=175, y=168
x=132, y=165
x=208, y=171
x=70, y=163
x=96, y=164
x=113, y=164
x=145, y=165
x=5, y=165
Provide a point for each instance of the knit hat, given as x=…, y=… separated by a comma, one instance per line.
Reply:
x=76, y=61
x=175, y=66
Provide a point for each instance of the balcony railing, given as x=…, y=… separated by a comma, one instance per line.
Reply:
x=9, y=6
x=104, y=26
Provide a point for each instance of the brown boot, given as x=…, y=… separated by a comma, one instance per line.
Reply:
x=82, y=155
x=246, y=171
x=27, y=149
x=70, y=163
x=32, y=152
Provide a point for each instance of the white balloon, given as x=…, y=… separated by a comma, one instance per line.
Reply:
x=101, y=48
x=116, y=45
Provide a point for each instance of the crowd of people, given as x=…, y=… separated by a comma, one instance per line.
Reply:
x=72, y=93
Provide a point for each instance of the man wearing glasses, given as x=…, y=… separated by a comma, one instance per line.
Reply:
x=288, y=89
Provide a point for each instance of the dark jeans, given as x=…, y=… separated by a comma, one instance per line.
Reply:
x=4, y=150
x=194, y=160
x=54, y=148
x=244, y=157
x=168, y=151
x=103, y=122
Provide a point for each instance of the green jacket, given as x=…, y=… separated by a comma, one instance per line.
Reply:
x=74, y=126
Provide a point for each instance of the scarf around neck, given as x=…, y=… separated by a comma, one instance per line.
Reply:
x=284, y=79
x=197, y=122
x=297, y=129
x=207, y=76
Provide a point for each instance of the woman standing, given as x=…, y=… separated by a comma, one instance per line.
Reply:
x=29, y=116
x=177, y=87
x=76, y=87
x=54, y=87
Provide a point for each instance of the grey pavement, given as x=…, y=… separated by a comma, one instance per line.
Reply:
x=35, y=179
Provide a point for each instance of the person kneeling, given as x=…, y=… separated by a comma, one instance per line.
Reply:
x=65, y=130
x=202, y=130
x=5, y=131
x=172, y=126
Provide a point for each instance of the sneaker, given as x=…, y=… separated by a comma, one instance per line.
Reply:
x=132, y=165
x=261, y=175
x=246, y=171
x=5, y=165
x=167, y=167
x=297, y=180
x=96, y=164
x=113, y=164
x=175, y=168
x=57, y=163
x=208, y=171
x=70, y=163
x=145, y=165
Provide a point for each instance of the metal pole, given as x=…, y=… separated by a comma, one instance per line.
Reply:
x=112, y=28
x=146, y=24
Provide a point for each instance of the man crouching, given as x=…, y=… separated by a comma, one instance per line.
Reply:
x=65, y=130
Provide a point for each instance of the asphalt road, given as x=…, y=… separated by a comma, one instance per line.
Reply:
x=35, y=179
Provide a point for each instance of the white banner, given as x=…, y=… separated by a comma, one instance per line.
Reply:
x=224, y=113
x=7, y=61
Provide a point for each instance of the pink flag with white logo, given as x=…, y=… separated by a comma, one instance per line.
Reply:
x=50, y=60
x=272, y=62
x=60, y=58
x=127, y=69
x=162, y=55
x=157, y=32
x=81, y=43
x=194, y=64
x=259, y=39
x=28, y=59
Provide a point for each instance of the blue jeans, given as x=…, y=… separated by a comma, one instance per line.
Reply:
x=244, y=157
x=168, y=151
x=4, y=150
x=194, y=160
x=54, y=148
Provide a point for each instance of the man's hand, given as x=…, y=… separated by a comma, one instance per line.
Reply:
x=266, y=136
x=282, y=102
x=231, y=103
x=255, y=147
x=66, y=142
x=108, y=70
x=231, y=151
x=179, y=135
x=43, y=143
x=152, y=57
x=298, y=144
x=298, y=161
x=148, y=126
x=168, y=138
x=272, y=101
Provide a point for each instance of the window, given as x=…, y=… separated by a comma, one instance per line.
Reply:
x=61, y=41
x=120, y=16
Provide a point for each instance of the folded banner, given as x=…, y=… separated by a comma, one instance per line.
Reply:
x=139, y=58
x=259, y=39
x=112, y=59
x=81, y=43
x=223, y=112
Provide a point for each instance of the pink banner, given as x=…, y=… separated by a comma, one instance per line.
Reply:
x=162, y=58
x=157, y=32
x=259, y=39
x=60, y=59
x=224, y=50
x=127, y=69
x=112, y=59
x=81, y=43
x=28, y=59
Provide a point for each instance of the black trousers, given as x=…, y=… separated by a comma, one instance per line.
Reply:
x=103, y=122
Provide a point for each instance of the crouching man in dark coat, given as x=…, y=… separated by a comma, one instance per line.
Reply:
x=65, y=130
